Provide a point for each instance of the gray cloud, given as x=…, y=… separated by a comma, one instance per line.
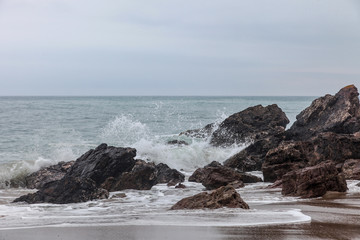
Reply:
x=228, y=47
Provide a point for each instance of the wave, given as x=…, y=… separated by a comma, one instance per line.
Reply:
x=121, y=131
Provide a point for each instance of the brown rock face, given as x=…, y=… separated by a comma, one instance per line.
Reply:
x=99, y=170
x=48, y=174
x=215, y=175
x=314, y=181
x=252, y=157
x=338, y=114
x=252, y=123
x=66, y=190
x=225, y=196
x=290, y=155
x=351, y=169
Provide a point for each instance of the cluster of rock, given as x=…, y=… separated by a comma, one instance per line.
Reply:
x=317, y=154
x=324, y=140
x=96, y=172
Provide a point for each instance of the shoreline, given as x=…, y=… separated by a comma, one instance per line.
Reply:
x=335, y=216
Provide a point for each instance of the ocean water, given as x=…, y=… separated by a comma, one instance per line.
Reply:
x=41, y=131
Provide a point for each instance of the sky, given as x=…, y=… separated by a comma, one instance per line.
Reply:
x=173, y=47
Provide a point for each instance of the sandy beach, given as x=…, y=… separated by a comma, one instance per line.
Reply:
x=334, y=216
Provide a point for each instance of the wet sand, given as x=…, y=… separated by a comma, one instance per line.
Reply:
x=336, y=216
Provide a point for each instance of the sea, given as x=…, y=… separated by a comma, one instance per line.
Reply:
x=41, y=131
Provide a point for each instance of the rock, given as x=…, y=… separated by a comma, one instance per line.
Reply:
x=164, y=174
x=252, y=157
x=98, y=168
x=294, y=155
x=103, y=162
x=177, y=142
x=277, y=184
x=66, y=190
x=204, y=132
x=351, y=169
x=225, y=196
x=314, y=181
x=338, y=114
x=102, y=169
x=48, y=174
x=119, y=195
x=215, y=175
x=180, y=185
x=252, y=123
x=141, y=177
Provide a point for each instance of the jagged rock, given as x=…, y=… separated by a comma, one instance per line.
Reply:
x=351, y=169
x=103, y=162
x=215, y=175
x=177, y=142
x=314, y=181
x=252, y=123
x=338, y=114
x=294, y=155
x=164, y=174
x=225, y=196
x=105, y=167
x=66, y=190
x=252, y=157
x=48, y=174
x=204, y=132
x=141, y=177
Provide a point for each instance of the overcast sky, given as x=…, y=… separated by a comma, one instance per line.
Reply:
x=173, y=47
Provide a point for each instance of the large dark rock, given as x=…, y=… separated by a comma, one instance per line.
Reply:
x=252, y=123
x=48, y=174
x=338, y=114
x=294, y=155
x=103, y=162
x=99, y=170
x=66, y=190
x=225, y=196
x=215, y=175
x=314, y=181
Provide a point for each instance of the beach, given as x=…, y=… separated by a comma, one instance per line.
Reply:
x=335, y=216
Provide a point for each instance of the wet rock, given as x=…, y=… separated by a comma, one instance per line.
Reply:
x=277, y=184
x=314, y=181
x=351, y=169
x=98, y=168
x=165, y=174
x=225, y=196
x=66, y=190
x=141, y=177
x=252, y=123
x=294, y=155
x=180, y=185
x=119, y=195
x=48, y=174
x=204, y=132
x=177, y=142
x=216, y=175
x=252, y=157
x=338, y=114
x=103, y=162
